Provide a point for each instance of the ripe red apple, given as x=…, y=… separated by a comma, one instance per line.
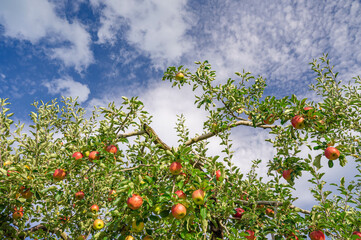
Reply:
x=137, y=227
x=94, y=208
x=179, y=76
x=251, y=235
x=79, y=195
x=357, y=234
x=112, y=149
x=218, y=174
x=175, y=168
x=94, y=155
x=198, y=196
x=59, y=174
x=181, y=194
x=269, y=120
x=135, y=201
x=287, y=174
x=112, y=194
x=298, y=122
x=98, y=224
x=332, y=153
x=239, y=213
x=77, y=155
x=317, y=235
x=179, y=211
x=270, y=212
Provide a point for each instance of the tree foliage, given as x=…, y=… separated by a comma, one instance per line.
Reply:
x=47, y=207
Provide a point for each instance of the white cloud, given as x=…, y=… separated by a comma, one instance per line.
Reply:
x=67, y=87
x=156, y=27
x=37, y=21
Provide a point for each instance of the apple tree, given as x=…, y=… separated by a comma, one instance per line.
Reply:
x=72, y=174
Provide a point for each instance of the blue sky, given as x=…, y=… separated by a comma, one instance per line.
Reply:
x=101, y=50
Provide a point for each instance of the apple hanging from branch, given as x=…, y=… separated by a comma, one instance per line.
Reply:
x=179, y=211
x=135, y=202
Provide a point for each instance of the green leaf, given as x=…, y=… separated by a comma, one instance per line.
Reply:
x=203, y=213
x=317, y=161
x=330, y=163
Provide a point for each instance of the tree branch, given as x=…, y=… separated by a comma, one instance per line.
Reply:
x=132, y=168
x=135, y=133
x=157, y=140
x=275, y=203
x=211, y=134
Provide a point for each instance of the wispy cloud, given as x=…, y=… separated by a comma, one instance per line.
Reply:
x=67, y=87
x=157, y=28
x=37, y=23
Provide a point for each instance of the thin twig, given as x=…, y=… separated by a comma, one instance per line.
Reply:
x=132, y=168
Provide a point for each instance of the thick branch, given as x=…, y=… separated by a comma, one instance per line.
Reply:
x=135, y=133
x=275, y=203
x=157, y=140
x=211, y=134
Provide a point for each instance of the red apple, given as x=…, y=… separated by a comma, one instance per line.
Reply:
x=59, y=174
x=198, y=196
x=251, y=235
x=181, y=194
x=317, y=235
x=77, y=155
x=239, y=213
x=269, y=120
x=112, y=194
x=287, y=174
x=179, y=76
x=112, y=149
x=98, y=224
x=94, y=208
x=179, y=211
x=175, y=168
x=135, y=202
x=218, y=174
x=94, y=155
x=298, y=122
x=270, y=212
x=357, y=234
x=79, y=195
x=332, y=153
